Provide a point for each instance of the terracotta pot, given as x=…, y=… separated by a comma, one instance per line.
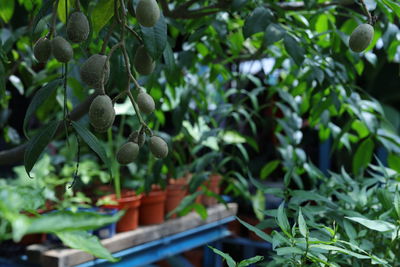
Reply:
x=152, y=207
x=175, y=193
x=130, y=202
x=213, y=185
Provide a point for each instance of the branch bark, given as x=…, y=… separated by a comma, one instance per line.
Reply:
x=16, y=154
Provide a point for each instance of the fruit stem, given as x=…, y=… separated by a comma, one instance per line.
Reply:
x=110, y=31
x=134, y=34
x=53, y=20
x=136, y=108
x=365, y=9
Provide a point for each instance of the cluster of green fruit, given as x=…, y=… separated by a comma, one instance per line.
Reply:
x=77, y=32
x=95, y=72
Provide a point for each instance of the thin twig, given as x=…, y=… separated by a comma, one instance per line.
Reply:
x=53, y=31
x=365, y=9
x=135, y=106
x=134, y=34
x=110, y=31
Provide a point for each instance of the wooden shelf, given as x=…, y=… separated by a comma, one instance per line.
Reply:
x=50, y=256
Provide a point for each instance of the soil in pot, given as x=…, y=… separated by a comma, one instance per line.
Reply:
x=175, y=193
x=152, y=207
x=130, y=202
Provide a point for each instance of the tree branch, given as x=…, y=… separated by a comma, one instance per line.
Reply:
x=16, y=154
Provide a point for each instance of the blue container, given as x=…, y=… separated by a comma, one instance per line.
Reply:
x=108, y=230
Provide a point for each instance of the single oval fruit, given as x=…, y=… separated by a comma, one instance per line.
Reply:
x=145, y=102
x=147, y=12
x=92, y=70
x=127, y=153
x=158, y=147
x=42, y=49
x=61, y=49
x=142, y=61
x=101, y=113
x=78, y=27
x=137, y=138
x=361, y=37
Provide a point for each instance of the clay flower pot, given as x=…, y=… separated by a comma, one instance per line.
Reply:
x=213, y=185
x=130, y=202
x=176, y=191
x=152, y=207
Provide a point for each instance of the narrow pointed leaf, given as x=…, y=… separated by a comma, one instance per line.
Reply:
x=92, y=142
x=86, y=242
x=225, y=256
x=41, y=95
x=38, y=143
x=302, y=225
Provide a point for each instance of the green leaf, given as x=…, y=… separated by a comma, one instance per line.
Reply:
x=257, y=21
x=169, y=58
x=302, y=225
x=269, y=168
x=396, y=203
x=339, y=249
x=188, y=200
x=363, y=155
x=393, y=5
x=201, y=210
x=44, y=10
x=394, y=162
x=86, y=242
x=258, y=203
x=155, y=38
x=61, y=10
x=294, y=49
x=273, y=33
x=38, y=143
x=41, y=95
x=283, y=221
x=6, y=10
x=92, y=142
x=225, y=256
x=288, y=250
x=377, y=225
x=101, y=14
x=69, y=221
x=249, y=261
x=257, y=231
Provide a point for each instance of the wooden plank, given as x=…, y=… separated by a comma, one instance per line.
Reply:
x=63, y=257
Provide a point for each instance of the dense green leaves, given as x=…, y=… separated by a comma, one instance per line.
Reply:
x=86, y=242
x=155, y=38
x=38, y=143
x=257, y=21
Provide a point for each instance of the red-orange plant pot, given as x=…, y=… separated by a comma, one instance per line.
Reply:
x=213, y=185
x=130, y=202
x=152, y=207
x=176, y=191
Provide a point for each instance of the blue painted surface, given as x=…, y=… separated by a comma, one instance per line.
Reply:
x=168, y=246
